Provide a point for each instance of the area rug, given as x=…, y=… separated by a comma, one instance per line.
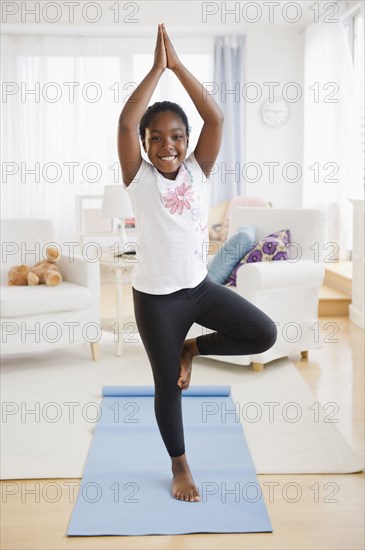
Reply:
x=51, y=402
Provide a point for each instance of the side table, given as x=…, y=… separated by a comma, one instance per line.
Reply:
x=118, y=269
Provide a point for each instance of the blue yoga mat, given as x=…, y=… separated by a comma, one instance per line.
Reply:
x=126, y=483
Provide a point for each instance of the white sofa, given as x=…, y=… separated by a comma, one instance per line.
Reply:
x=287, y=291
x=39, y=318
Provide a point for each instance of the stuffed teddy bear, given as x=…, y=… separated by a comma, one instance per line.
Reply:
x=44, y=272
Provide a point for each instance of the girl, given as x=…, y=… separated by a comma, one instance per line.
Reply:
x=170, y=285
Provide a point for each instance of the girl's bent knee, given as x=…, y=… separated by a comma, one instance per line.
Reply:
x=269, y=335
x=263, y=335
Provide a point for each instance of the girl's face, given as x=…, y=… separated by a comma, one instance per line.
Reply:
x=166, y=143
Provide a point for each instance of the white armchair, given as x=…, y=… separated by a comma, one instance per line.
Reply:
x=39, y=318
x=287, y=291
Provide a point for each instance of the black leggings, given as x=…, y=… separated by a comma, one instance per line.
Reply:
x=163, y=321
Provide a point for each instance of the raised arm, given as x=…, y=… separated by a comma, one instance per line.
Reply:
x=129, y=149
x=210, y=138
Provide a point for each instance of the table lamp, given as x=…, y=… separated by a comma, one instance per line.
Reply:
x=116, y=204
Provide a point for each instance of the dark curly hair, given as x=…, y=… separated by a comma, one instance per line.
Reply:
x=159, y=107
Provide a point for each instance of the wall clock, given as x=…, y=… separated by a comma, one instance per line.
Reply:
x=275, y=113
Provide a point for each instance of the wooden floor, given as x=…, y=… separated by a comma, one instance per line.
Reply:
x=328, y=515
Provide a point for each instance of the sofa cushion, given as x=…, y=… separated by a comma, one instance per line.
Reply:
x=271, y=248
x=21, y=301
x=230, y=253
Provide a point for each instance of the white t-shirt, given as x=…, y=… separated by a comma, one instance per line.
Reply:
x=172, y=227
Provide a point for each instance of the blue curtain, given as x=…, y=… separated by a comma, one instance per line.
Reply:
x=229, y=80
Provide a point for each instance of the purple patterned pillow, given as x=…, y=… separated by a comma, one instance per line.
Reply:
x=270, y=249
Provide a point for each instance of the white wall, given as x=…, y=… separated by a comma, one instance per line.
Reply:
x=122, y=15
x=275, y=55
x=135, y=14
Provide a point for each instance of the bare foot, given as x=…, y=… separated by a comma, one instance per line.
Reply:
x=189, y=350
x=183, y=486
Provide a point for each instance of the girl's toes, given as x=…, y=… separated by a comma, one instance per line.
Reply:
x=182, y=382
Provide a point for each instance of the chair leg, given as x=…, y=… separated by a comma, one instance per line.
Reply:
x=94, y=350
x=257, y=367
x=304, y=354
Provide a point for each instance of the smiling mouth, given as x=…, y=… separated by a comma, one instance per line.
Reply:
x=168, y=158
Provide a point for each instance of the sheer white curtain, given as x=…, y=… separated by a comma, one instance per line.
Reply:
x=66, y=132
x=228, y=77
x=332, y=158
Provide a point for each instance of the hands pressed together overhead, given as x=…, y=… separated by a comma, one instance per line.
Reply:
x=165, y=55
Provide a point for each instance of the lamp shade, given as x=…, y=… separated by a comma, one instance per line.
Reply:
x=116, y=203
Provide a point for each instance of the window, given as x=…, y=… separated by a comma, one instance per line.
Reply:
x=71, y=117
x=358, y=23
x=354, y=27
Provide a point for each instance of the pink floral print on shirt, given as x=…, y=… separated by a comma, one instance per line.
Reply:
x=181, y=197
